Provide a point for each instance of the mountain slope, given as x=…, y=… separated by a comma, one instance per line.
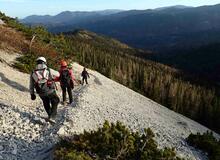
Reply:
x=67, y=17
x=100, y=100
x=108, y=44
x=173, y=7
x=159, y=29
x=183, y=93
x=160, y=82
x=24, y=134
x=203, y=61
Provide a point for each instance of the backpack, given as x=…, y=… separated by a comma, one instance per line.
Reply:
x=44, y=83
x=65, y=77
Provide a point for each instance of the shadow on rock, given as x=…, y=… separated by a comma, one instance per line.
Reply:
x=96, y=80
x=13, y=83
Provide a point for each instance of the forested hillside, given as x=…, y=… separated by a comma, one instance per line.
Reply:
x=203, y=61
x=158, y=82
x=119, y=62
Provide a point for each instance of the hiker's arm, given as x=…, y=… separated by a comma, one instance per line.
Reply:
x=55, y=75
x=72, y=76
x=88, y=74
x=56, y=79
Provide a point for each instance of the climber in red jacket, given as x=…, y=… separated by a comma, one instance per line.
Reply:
x=66, y=79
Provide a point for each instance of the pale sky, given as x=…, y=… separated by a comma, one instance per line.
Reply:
x=23, y=8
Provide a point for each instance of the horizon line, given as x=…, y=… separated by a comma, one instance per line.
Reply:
x=98, y=10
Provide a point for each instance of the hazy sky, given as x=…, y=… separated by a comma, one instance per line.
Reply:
x=22, y=8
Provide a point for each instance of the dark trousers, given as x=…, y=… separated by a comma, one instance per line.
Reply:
x=69, y=90
x=50, y=104
x=84, y=79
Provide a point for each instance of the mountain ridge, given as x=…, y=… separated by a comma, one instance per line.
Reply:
x=174, y=26
x=70, y=14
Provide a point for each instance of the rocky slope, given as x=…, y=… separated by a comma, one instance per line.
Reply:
x=25, y=135
x=1, y=22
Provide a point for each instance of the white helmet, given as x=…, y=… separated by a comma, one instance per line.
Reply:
x=42, y=59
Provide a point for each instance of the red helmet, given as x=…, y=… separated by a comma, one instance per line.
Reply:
x=63, y=63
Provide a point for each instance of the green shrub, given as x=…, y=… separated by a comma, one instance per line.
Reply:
x=207, y=143
x=112, y=141
x=25, y=63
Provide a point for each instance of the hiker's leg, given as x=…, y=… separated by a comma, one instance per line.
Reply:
x=54, y=102
x=46, y=102
x=82, y=80
x=69, y=90
x=86, y=80
x=64, y=93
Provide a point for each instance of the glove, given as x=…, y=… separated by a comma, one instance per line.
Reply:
x=33, y=97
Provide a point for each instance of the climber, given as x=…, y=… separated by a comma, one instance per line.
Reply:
x=42, y=80
x=66, y=81
x=84, y=75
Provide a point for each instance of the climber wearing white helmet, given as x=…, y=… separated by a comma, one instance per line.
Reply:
x=42, y=80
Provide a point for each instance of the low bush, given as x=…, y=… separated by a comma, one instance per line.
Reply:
x=112, y=142
x=207, y=143
x=25, y=63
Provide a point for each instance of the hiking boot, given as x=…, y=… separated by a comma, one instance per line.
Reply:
x=73, y=104
x=63, y=103
x=52, y=120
